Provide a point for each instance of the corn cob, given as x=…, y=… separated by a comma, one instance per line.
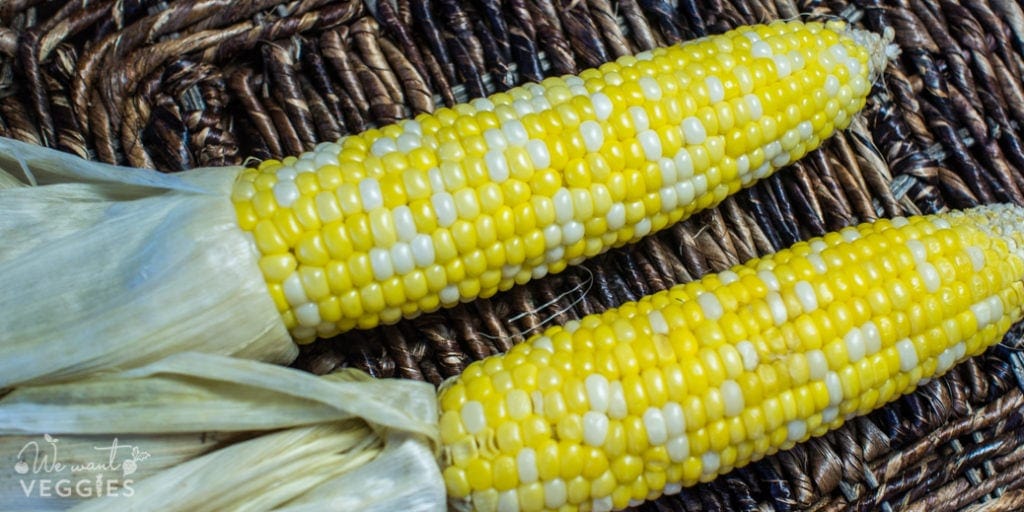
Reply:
x=689, y=383
x=468, y=201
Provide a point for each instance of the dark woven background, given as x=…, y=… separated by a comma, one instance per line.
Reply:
x=176, y=85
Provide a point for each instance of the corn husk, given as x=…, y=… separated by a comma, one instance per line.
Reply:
x=106, y=268
x=208, y=432
x=9, y=181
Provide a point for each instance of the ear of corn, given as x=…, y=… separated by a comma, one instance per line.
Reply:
x=689, y=383
x=603, y=412
x=406, y=218
x=468, y=201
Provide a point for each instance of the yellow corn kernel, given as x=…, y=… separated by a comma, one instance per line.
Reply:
x=314, y=282
x=456, y=479
x=330, y=309
x=246, y=214
x=276, y=268
x=310, y=249
x=277, y=293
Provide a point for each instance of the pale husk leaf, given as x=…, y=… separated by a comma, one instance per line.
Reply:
x=111, y=268
x=9, y=181
x=86, y=459
x=297, y=441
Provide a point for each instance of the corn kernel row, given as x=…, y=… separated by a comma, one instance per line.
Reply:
x=689, y=383
x=468, y=201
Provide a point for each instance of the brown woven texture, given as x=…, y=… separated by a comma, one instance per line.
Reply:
x=179, y=84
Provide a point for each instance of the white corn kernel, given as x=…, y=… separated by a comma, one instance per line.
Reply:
x=602, y=105
x=654, y=426
x=693, y=131
x=732, y=395
x=286, y=193
x=749, y=355
x=593, y=135
x=539, y=154
x=526, y=462
x=595, y=428
x=716, y=91
x=908, y=354
x=473, y=416
x=308, y=314
x=675, y=420
x=710, y=305
x=554, y=493
x=650, y=88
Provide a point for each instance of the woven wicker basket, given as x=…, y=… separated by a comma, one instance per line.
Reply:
x=179, y=84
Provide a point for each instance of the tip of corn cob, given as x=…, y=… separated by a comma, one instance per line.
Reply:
x=880, y=49
x=1000, y=221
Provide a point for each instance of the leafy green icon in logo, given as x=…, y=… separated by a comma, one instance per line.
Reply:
x=131, y=465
